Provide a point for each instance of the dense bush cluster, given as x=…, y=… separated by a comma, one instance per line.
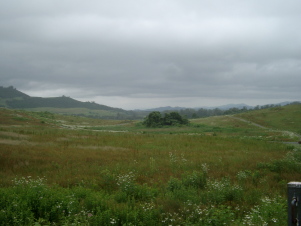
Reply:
x=155, y=119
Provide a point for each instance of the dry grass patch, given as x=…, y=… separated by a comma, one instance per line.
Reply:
x=16, y=142
x=13, y=135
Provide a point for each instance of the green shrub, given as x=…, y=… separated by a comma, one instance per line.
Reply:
x=291, y=163
x=31, y=200
x=174, y=184
x=195, y=180
x=155, y=119
x=129, y=189
x=108, y=181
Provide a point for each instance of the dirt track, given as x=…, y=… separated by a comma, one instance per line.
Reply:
x=289, y=133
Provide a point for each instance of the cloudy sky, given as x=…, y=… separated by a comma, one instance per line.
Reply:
x=137, y=54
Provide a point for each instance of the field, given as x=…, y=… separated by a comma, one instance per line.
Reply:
x=64, y=170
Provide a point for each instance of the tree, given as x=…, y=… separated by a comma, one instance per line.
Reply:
x=174, y=118
x=155, y=119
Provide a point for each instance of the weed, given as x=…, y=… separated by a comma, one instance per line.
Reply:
x=270, y=211
x=218, y=192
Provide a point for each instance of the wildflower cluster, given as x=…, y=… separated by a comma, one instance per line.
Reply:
x=79, y=218
x=242, y=175
x=172, y=218
x=126, y=181
x=174, y=159
x=221, y=191
x=152, y=164
x=205, y=168
x=29, y=182
x=270, y=211
x=294, y=156
x=113, y=221
x=147, y=206
x=193, y=214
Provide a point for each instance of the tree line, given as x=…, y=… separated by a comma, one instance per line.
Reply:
x=203, y=113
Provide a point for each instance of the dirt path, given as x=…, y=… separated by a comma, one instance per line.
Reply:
x=289, y=133
x=247, y=121
x=89, y=127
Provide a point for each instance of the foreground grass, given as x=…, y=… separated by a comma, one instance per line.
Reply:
x=57, y=170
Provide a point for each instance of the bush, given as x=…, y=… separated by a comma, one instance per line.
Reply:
x=30, y=200
x=291, y=163
x=195, y=180
x=188, y=187
x=155, y=119
x=129, y=189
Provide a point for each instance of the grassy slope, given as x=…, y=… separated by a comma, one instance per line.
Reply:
x=282, y=118
x=281, y=123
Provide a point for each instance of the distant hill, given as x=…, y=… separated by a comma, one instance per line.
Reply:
x=17, y=99
x=10, y=97
x=229, y=106
x=11, y=92
x=223, y=107
x=56, y=102
x=167, y=108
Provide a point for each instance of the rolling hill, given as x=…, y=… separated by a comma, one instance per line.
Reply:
x=10, y=97
x=17, y=99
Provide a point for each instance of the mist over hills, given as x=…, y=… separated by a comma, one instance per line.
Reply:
x=16, y=99
x=10, y=97
x=223, y=107
x=13, y=98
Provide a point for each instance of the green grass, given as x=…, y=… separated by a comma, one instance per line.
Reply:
x=282, y=118
x=66, y=170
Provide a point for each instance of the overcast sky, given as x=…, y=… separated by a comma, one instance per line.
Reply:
x=138, y=54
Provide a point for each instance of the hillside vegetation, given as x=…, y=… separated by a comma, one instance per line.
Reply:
x=10, y=97
x=282, y=118
x=64, y=170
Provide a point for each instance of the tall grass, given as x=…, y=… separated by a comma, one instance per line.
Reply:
x=178, y=176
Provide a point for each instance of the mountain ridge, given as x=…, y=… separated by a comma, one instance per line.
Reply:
x=14, y=98
x=11, y=92
x=222, y=107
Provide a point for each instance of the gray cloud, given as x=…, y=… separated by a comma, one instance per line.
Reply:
x=140, y=54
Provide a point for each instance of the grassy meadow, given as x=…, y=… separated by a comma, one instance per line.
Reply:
x=65, y=170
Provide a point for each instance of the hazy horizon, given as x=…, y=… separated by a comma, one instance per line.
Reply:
x=165, y=106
